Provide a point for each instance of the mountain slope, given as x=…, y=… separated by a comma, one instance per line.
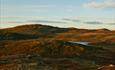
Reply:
x=43, y=31
x=57, y=48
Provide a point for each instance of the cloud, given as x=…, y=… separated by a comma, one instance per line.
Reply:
x=17, y=22
x=104, y=4
x=45, y=21
x=73, y=20
x=93, y=22
x=112, y=23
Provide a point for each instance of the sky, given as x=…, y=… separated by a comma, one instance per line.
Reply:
x=88, y=14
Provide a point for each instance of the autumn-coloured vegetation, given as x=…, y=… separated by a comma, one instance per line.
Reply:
x=22, y=46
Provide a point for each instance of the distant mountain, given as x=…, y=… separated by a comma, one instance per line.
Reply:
x=29, y=32
x=36, y=31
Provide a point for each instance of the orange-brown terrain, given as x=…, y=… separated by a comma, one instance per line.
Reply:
x=42, y=47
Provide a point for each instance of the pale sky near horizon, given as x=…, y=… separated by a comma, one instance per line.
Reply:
x=89, y=14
